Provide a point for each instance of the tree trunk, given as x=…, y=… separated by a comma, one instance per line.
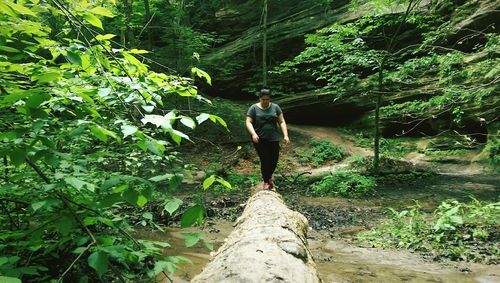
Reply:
x=147, y=23
x=264, y=45
x=269, y=244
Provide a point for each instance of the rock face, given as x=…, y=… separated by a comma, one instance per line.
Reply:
x=268, y=245
x=236, y=64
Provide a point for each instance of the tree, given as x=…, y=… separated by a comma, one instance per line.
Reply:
x=264, y=43
x=359, y=58
x=78, y=117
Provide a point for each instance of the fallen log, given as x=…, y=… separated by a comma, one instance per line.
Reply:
x=268, y=244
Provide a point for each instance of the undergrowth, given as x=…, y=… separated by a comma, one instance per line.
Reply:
x=455, y=230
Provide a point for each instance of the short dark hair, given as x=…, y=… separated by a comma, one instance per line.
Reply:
x=265, y=91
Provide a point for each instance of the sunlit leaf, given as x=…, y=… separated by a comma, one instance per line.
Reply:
x=188, y=122
x=48, y=77
x=128, y=130
x=138, y=51
x=102, y=12
x=202, y=118
x=93, y=20
x=20, y=8
x=224, y=183
x=105, y=36
x=208, y=182
x=202, y=74
x=7, y=10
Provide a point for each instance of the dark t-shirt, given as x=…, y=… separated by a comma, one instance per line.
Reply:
x=265, y=121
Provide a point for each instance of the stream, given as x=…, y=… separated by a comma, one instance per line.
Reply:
x=334, y=221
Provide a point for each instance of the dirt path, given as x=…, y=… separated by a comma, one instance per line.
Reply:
x=452, y=165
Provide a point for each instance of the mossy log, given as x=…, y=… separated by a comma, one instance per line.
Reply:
x=268, y=244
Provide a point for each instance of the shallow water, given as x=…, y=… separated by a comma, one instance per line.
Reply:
x=337, y=259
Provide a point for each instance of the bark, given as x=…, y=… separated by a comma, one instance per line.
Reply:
x=269, y=244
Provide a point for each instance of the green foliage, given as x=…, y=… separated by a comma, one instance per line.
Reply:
x=346, y=185
x=320, y=152
x=389, y=147
x=493, y=149
x=455, y=230
x=86, y=128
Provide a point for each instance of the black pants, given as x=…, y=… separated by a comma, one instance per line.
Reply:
x=268, y=152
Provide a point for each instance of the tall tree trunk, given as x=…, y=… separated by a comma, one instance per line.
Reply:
x=264, y=45
x=147, y=23
x=126, y=34
x=376, y=140
x=378, y=102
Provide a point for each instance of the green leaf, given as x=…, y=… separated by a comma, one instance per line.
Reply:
x=141, y=200
x=102, y=12
x=48, y=77
x=148, y=215
x=36, y=99
x=93, y=20
x=175, y=182
x=17, y=156
x=224, y=182
x=109, y=200
x=192, y=216
x=7, y=10
x=202, y=74
x=138, y=51
x=191, y=239
x=5, y=279
x=160, y=178
x=9, y=49
x=103, y=134
x=37, y=205
x=208, y=182
x=188, y=122
x=164, y=122
x=218, y=119
x=172, y=205
x=20, y=9
x=162, y=265
x=99, y=262
x=128, y=130
x=177, y=136
x=202, y=118
x=79, y=184
x=3, y=260
x=131, y=196
x=104, y=37
x=74, y=58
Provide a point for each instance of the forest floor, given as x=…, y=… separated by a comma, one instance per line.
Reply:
x=335, y=220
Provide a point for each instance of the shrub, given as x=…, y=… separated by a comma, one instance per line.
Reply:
x=455, y=230
x=320, y=152
x=345, y=184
